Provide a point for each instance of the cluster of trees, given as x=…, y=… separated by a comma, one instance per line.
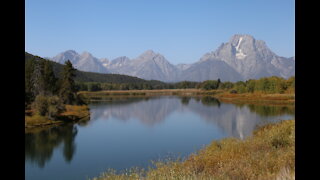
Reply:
x=47, y=93
x=97, y=86
x=209, y=84
x=272, y=84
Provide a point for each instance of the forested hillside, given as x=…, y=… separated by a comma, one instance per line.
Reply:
x=94, y=77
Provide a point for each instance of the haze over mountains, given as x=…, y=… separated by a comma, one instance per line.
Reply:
x=242, y=58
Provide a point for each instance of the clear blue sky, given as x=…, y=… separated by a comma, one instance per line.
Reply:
x=181, y=30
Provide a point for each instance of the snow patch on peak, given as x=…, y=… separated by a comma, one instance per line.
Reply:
x=239, y=53
x=239, y=42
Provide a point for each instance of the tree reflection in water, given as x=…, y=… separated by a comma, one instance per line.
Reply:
x=39, y=146
x=210, y=101
x=267, y=111
x=185, y=100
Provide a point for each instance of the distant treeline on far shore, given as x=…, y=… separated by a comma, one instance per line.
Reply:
x=265, y=85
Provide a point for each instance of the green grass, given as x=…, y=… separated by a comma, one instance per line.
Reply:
x=268, y=154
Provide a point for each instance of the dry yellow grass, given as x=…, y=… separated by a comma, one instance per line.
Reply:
x=76, y=111
x=257, y=98
x=72, y=113
x=268, y=154
x=37, y=121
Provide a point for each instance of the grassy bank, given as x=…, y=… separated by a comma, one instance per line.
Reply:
x=268, y=154
x=257, y=98
x=225, y=96
x=72, y=113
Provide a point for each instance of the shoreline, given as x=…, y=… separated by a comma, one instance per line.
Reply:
x=224, y=96
x=73, y=114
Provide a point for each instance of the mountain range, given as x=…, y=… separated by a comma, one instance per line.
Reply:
x=242, y=58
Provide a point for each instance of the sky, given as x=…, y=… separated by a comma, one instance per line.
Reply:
x=181, y=30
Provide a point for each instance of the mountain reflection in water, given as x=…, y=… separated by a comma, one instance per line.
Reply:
x=237, y=120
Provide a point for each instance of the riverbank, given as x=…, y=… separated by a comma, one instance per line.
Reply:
x=256, y=98
x=268, y=154
x=73, y=113
x=225, y=96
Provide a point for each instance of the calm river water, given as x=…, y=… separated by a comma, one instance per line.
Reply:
x=133, y=131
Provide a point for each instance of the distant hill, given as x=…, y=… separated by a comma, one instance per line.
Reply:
x=82, y=76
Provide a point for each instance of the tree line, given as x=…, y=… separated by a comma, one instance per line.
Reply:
x=97, y=86
x=272, y=84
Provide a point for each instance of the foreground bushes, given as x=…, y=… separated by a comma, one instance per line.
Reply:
x=268, y=154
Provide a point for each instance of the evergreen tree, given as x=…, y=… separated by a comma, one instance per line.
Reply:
x=37, y=82
x=49, y=79
x=67, y=85
x=29, y=68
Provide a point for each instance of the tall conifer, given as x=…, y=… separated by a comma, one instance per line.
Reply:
x=67, y=84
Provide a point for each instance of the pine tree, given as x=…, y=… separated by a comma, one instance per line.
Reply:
x=37, y=83
x=29, y=69
x=218, y=83
x=67, y=85
x=49, y=79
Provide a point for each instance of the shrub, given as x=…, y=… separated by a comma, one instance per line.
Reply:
x=40, y=105
x=233, y=91
x=210, y=84
x=48, y=105
x=55, y=106
x=226, y=85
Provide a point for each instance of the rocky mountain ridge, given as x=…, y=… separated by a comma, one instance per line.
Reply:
x=242, y=58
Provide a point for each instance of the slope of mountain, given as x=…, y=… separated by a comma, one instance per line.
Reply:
x=116, y=64
x=71, y=55
x=182, y=67
x=105, y=62
x=85, y=61
x=149, y=66
x=208, y=70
